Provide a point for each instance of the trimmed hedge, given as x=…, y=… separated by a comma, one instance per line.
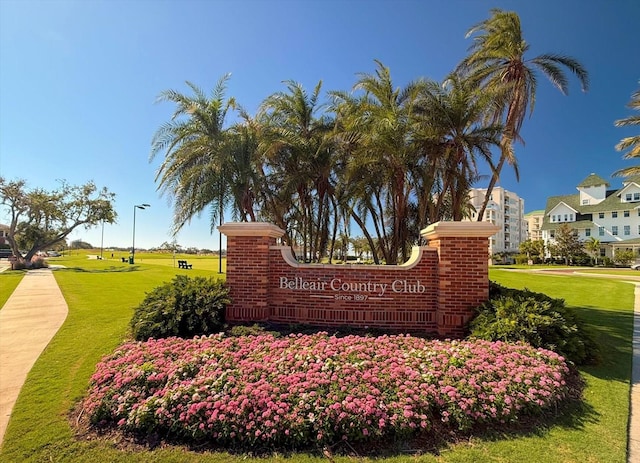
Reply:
x=185, y=307
x=514, y=315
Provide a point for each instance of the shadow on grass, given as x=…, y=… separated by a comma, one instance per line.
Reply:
x=111, y=269
x=613, y=331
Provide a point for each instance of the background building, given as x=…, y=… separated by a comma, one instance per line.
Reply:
x=610, y=216
x=505, y=209
x=534, y=220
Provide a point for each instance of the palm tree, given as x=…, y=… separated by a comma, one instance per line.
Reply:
x=374, y=134
x=593, y=247
x=449, y=116
x=630, y=143
x=298, y=156
x=196, y=168
x=243, y=178
x=497, y=63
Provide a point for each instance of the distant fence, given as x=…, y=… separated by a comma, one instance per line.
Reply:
x=434, y=292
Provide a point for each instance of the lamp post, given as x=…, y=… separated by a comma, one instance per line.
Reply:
x=133, y=245
x=102, y=240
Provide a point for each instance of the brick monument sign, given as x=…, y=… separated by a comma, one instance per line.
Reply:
x=435, y=291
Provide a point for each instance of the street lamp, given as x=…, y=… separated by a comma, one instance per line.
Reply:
x=133, y=245
x=102, y=240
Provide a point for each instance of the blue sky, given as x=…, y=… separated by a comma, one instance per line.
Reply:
x=79, y=80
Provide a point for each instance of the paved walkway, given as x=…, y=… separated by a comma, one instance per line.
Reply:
x=28, y=321
x=36, y=310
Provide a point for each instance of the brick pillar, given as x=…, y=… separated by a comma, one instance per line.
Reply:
x=248, y=268
x=463, y=271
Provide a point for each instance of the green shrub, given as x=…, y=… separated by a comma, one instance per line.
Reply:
x=521, y=315
x=522, y=259
x=250, y=330
x=184, y=307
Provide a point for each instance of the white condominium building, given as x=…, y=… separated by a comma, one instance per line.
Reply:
x=534, y=221
x=505, y=209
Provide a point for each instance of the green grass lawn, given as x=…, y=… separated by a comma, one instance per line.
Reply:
x=102, y=294
x=9, y=282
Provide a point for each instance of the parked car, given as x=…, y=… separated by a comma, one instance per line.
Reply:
x=635, y=267
x=5, y=253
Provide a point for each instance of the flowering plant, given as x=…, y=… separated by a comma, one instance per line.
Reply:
x=305, y=389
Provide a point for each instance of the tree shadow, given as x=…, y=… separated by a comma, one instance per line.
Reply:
x=613, y=331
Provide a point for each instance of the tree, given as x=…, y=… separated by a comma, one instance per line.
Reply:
x=497, y=63
x=374, y=132
x=41, y=219
x=593, y=247
x=568, y=245
x=299, y=156
x=196, y=168
x=452, y=137
x=630, y=143
x=534, y=249
x=623, y=257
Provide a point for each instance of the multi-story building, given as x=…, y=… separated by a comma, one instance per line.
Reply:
x=534, y=221
x=505, y=209
x=4, y=232
x=610, y=216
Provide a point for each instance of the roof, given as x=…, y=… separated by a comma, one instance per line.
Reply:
x=593, y=180
x=570, y=206
x=579, y=225
x=630, y=242
x=609, y=204
x=537, y=212
x=632, y=179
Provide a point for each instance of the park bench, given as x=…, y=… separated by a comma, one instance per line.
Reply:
x=184, y=264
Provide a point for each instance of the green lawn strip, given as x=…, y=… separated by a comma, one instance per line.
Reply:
x=101, y=296
x=599, y=432
x=199, y=262
x=9, y=280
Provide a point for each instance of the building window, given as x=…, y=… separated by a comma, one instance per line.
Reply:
x=627, y=229
x=614, y=215
x=626, y=213
x=614, y=230
x=603, y=252
x=636, y=196
x=627, y=197
x=585, y=202
x=571, y=217
x=565, y=217
x=601, y=215
x=587, y=232
x=600, y=231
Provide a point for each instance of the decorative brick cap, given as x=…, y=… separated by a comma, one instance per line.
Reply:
x=251, y=229
x=414, y=259
x=459, y=229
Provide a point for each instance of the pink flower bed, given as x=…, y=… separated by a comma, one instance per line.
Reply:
x=305, y=389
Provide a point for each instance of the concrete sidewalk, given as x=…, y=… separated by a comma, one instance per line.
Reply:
x=28, y=321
